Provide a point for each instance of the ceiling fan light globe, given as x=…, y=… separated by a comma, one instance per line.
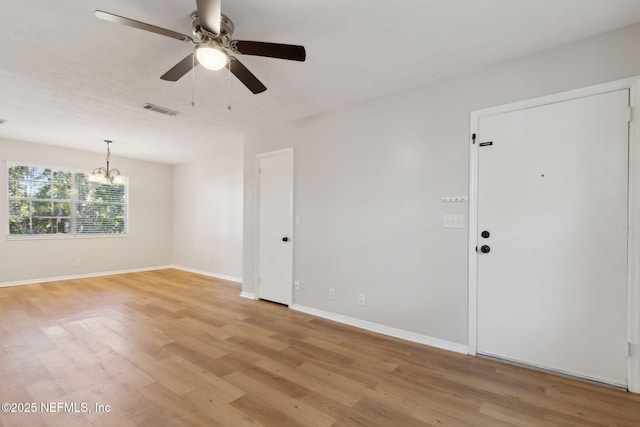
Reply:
x=211, y=57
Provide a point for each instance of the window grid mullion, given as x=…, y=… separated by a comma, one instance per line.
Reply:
x=100, y=214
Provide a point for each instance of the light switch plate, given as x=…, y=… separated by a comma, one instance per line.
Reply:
x=454, y=199
x=453, y=221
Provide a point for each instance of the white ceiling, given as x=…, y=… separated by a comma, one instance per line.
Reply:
x=70, y=79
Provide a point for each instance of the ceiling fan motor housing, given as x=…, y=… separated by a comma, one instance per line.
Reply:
x=202, y=34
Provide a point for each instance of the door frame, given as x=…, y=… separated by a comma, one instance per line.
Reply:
x=633, y=214
x=257, y=220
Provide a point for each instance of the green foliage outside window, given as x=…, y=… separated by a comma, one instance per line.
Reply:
x=47, y=201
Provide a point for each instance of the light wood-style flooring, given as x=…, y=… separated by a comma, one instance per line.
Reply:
x=170, y=348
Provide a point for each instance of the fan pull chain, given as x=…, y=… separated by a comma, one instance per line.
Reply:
x=193, y=80
x=229, y=84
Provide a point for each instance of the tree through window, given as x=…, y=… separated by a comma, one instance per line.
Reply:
x=50, y=201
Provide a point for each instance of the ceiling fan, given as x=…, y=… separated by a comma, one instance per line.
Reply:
x=212, y=38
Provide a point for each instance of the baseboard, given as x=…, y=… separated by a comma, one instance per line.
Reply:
x=384, y=330
x=248, y=295
x=81, y=276
x=209, y=274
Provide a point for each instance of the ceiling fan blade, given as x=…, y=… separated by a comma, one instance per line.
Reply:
x=271, y=50
x=209, y=13
x=180, y=69
x=245, y=76
x=106, y=16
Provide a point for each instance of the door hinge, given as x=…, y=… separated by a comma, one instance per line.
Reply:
x=628, y=349
x=259, y=171
x=259, y=280
x=630, y=114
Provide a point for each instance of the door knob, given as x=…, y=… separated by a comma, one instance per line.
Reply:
x=285, y=239
x=485, y=234
x=485, y=249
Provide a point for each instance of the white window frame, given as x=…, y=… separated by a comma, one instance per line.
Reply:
x=62, y=236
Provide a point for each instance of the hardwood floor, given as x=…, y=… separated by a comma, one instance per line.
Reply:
x=169, y=348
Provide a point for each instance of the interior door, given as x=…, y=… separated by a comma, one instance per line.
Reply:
x=552, y=244
x=275, y=246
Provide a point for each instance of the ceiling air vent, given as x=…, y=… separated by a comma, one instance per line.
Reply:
x=160, y=110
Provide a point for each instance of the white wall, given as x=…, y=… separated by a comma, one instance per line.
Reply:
x=368, y=183
x=147, y=245
x=207, y=223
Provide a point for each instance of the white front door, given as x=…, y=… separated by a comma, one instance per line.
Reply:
x=552, y=262
x=275, y=246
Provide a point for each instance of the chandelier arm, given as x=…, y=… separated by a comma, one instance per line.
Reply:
x=106, y=176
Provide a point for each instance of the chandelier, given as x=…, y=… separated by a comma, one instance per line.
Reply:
x=106, y=176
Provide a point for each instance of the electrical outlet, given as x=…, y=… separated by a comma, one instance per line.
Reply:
x=76, y=263
x=362, y=299
x=296, y=285
x=332, y=293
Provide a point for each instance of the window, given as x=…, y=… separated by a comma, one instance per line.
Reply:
x=56, y=202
